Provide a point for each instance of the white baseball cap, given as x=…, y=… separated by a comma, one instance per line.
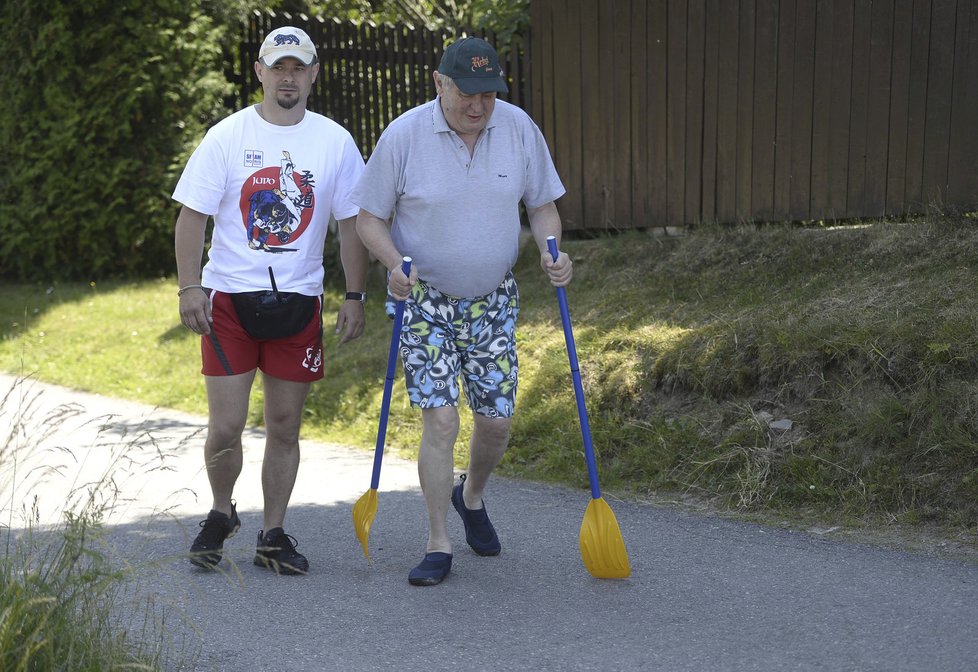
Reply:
x=287, y=41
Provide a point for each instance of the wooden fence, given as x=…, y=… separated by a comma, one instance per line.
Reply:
x=369, y=74
x=672, y=112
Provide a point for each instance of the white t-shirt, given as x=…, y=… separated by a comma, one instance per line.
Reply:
x=457, y=215
x=271, y=190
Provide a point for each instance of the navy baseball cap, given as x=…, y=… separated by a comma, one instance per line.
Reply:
x=473, y=65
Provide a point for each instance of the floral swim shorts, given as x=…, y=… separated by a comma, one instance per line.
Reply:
x=445, y=337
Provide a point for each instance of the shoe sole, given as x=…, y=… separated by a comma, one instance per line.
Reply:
x=278, y=567
x=427, y=581
x=199, y=559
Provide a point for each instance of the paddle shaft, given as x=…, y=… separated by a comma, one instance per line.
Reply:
x=592, y=466
x=385, y=402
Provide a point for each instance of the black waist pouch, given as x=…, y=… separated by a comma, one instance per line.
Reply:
x=266, y=315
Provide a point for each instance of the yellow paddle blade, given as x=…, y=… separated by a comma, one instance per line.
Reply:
x=602, y=548
x=363, y=517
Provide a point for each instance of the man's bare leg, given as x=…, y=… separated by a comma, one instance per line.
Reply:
x=436, y=469
x=227, y=401
x=284, y=401
x=490, y=438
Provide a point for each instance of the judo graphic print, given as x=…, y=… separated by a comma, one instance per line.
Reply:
x=276, y=205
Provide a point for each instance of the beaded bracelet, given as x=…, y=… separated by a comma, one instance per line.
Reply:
x=180, y=292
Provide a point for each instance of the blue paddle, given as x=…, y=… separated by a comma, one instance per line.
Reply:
x=602, y=547
x=366, y=507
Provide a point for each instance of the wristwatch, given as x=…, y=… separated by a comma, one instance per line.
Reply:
x=357, y=296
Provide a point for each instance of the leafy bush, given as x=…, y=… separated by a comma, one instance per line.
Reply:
x=107, y=101
x=503, y=17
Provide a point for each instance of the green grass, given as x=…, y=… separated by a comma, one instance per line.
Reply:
x=693, y=352
x=863, y=336
x=57, y=580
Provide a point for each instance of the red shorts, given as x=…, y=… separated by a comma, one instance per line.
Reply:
x=229, y=350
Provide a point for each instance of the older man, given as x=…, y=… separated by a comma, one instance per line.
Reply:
x=451, y=174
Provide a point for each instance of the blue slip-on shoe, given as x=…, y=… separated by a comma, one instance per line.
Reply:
x=432, y=570
x=479, y=532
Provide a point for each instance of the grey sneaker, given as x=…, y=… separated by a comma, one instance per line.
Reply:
x=276, y=551
x=208, y=548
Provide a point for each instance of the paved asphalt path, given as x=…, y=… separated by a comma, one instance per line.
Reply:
x=705, y=593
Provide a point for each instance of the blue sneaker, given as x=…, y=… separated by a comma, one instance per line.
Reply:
x=479, y=532
x=432, y=570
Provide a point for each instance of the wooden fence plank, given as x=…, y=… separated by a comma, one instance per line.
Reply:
x=711, y=103
x=841, y=98
x=896, y=155
x=939, y=80
x=541, y=70
x=567, y=101
x=963, y=159
x=745, y=109
x=638, y=118
x=619, y=205
x=878, y=109
x=822, y=104
x=727, y=86
x=917, y=108
x=784, y=118
x=764, y=127
x=514, y=72
x=596, y=113
x=657, y=22
x=802, y=110
x=676, y=113
x=859, y=109
x=693, y=169
x=598, y=117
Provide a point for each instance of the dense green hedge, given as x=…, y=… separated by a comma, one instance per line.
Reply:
x=104, y=100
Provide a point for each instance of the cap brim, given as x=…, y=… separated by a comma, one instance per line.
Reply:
x=303, y=57
x=474, y=85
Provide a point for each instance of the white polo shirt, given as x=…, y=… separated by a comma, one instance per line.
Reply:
x=458, y=216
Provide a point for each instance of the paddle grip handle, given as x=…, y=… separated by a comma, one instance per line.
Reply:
x=592, y=466
x=385, y=402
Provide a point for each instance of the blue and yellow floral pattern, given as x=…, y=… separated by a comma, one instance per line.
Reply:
x=446, y=338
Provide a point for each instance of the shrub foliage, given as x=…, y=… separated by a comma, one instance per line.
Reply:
x=105, y=100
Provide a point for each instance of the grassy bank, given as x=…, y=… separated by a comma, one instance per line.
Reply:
x=809, y=371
